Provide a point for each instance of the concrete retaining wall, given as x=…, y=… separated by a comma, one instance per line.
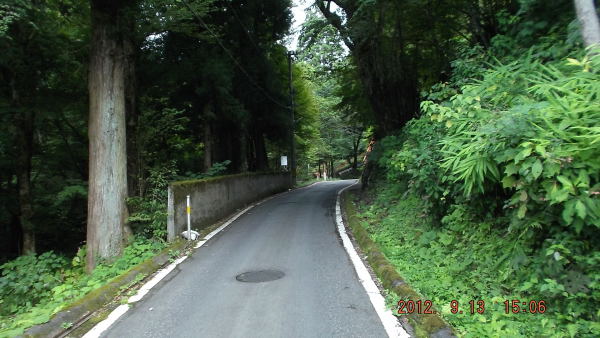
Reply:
x=215, y=198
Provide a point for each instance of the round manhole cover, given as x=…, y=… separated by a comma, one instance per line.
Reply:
x=259, y=276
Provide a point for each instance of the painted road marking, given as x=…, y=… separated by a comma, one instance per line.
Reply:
x=389, y=321
x=97, y=330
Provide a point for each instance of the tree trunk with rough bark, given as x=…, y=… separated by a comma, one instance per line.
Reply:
x=208, y=141
x=132, y=116
x=355, y=146
x=260, y=151
x=588, y=20
x=24, y=120
x=25, y=151
x=332, y=170
x=387, y=74
x=107, y=210
x=131, y=111
x=367, y=166
x=243, y=153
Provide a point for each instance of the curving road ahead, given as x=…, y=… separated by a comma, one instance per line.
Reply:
x=319, y=295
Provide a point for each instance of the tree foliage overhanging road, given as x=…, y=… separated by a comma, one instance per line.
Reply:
x=479, y=115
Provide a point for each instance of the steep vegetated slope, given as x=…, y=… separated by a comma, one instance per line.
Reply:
x=493, y=192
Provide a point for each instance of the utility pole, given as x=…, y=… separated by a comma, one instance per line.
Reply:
x=292, y=132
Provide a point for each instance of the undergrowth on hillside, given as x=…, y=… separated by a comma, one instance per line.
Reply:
x=466, y=258
x=33, y=288
x=494, y=194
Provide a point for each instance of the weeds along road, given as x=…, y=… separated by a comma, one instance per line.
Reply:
x=319, y=294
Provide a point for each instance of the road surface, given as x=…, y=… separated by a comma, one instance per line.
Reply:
x=319, y=295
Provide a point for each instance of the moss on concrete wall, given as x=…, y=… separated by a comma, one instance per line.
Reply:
x=215, y=198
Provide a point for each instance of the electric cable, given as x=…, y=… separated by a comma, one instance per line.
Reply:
x=260, y=88
x=246, y=30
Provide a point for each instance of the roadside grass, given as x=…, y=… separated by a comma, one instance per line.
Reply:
x=420, y=324
x=465, y=260
x=33, y=288
x=303, y=182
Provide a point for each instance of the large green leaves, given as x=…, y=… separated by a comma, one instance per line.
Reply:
x=542, y=136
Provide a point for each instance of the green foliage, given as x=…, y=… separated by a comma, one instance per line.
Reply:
x=413, y=160
x=148, y=217
x=530, y=29
x=9, y=12
x=70, y=192
x=33, y=288
x=42, y=73
x=158, y=181
x=504, y=178
x=28, y=280
x=468, y=258
x=531, y=129
x=217, y=169
x=320, y=45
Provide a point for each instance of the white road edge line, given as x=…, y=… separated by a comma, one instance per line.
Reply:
x=99, y=328
x=389, y=321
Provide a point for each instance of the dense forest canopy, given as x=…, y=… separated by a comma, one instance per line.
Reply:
x=482, y=114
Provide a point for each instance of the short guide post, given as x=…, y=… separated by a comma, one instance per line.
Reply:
x=189, y=222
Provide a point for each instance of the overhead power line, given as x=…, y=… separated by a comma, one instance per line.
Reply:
x=246, y=30
x=214, y=35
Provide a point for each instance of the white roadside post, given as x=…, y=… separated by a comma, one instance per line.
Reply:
x=189, y=221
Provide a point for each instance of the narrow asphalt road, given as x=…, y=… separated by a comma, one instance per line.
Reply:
x=319, y=296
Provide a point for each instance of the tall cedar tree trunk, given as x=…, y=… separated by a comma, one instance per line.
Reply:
x=588, y=20
x=24, y=142
x=25, y=149
x=131, y=110
x=107, y=195
x=208, y=137
x=131, y=115
x=207, y=147
x=332, y=168
x=355, y=146
x=262, y=162
x=243, y=152
x=238, y=148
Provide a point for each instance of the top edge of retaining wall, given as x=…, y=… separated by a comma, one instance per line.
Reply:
x=223, y=177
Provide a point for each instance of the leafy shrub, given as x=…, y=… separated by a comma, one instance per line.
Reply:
x=532, y=128
x=468, y=258
x=416, y=163
x=158, y=181
x=217, y=169
x=148, y=217
x=33, y=288
x=28, y=280
x=516, y=155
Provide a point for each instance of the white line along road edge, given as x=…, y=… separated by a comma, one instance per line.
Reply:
x=97, y=330
x=389, y=321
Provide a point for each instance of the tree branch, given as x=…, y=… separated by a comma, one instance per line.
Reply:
x=335, y=20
